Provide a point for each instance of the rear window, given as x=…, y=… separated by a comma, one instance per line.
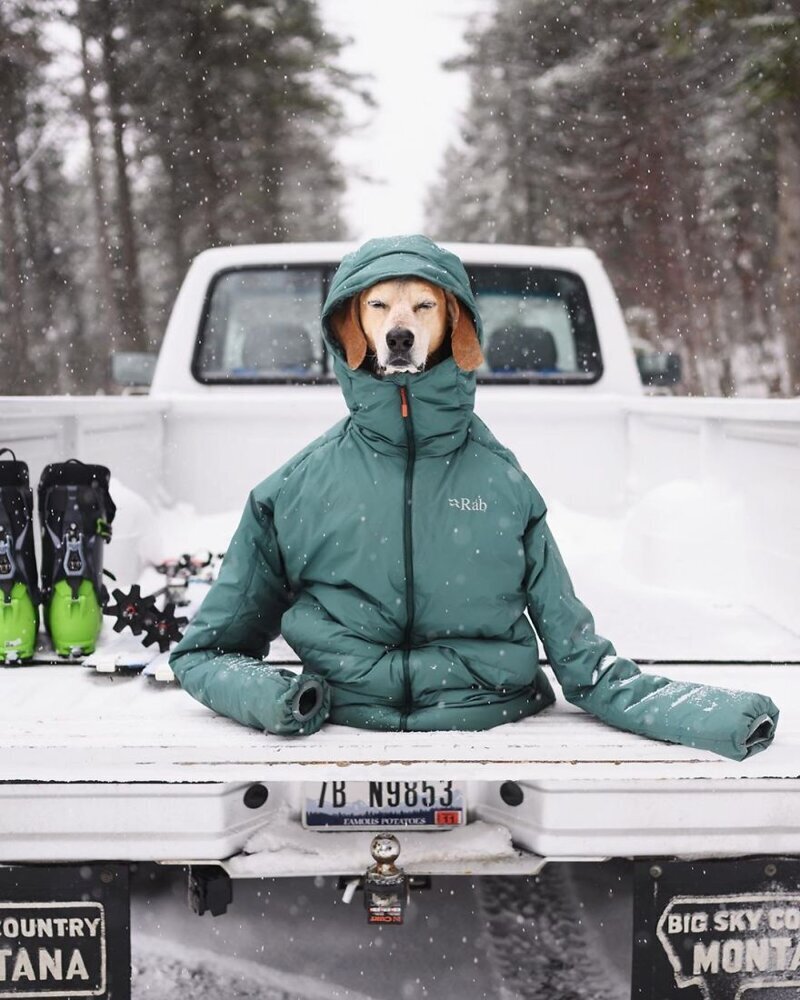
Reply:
x=538, y=325
x=262, y=325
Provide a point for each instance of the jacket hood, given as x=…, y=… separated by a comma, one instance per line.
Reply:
x=441, y=398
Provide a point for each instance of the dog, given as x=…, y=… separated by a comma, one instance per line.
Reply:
x=406, y=325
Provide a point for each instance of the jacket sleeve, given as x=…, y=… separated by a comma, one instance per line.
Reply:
x=219, y=661
x=734, y=724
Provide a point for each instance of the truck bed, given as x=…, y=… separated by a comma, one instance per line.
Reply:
x=111, y=766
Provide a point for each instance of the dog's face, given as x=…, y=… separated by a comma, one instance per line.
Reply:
x=404, y=323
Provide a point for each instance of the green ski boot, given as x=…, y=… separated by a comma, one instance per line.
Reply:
x=19, y=594
x=76, y=512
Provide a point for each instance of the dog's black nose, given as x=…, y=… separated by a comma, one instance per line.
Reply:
x=400, y=340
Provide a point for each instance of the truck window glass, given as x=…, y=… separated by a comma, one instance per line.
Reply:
x=538, y=325
x=262, y=325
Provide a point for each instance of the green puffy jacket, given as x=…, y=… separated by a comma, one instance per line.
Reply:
x=398, y=556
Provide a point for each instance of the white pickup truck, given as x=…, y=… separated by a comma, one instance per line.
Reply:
x=679, y=519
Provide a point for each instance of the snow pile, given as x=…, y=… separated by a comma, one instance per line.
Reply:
x=685, y=535
x=281, y=841
x=165, y=970
x=147, y=534
x=671, y=578
x=132, y=526
x=181, y=529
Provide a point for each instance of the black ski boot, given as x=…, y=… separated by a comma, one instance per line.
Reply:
x=76, y=512
x=19, y=592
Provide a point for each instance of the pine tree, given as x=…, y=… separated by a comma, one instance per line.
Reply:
x=765, y=35
x=187, y=124
x=610, y=124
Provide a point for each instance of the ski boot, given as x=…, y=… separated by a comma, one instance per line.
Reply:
x=19, y=592
x=76, y=512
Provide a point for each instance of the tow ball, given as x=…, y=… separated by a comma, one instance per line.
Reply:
x=386, y=888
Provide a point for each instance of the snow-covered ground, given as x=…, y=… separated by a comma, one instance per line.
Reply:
x=298, y=936
x=162, y=969
x=564, y=934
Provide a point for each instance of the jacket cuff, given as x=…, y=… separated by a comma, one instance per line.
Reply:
x=733, y=724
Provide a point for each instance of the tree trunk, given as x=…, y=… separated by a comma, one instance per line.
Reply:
x=107, y=298
x=43, y=366
x=173, y=224
x=210, y=187
x=131, y=308
x=13, y=341
x=788, y=237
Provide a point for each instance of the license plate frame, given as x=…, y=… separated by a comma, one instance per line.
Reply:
x=383, y=805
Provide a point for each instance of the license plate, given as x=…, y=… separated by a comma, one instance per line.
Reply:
x=381, y=805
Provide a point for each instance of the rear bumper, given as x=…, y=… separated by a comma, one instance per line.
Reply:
x=555, y=821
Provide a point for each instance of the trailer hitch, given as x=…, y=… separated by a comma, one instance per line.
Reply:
x=386, y=887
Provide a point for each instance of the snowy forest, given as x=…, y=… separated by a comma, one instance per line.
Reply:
x=133, y=136
x=666, y=136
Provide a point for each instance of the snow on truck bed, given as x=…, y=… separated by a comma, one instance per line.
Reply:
x=67, y=724
x=693, y=617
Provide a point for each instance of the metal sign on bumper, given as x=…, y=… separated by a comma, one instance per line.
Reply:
x=720, y=930
x=64, y=931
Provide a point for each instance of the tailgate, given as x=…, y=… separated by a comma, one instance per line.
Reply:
x=94, y=763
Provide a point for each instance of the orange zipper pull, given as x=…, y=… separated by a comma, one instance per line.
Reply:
x=403, y=401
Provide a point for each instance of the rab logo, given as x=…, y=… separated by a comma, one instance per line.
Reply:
x=464, y=503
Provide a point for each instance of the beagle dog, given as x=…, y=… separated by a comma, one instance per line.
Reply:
x=406, y=325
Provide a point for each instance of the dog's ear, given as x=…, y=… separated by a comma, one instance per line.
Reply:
x=463, y=337
x=346, y=324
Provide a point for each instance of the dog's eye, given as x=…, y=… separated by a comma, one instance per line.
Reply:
x=424, y=305
x=376, y=304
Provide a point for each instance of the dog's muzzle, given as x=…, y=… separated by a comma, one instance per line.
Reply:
x=399, y=341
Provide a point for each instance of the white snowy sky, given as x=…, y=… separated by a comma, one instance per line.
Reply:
x=400, y=143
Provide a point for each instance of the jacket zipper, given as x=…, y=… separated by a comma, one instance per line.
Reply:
x=405, y=411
